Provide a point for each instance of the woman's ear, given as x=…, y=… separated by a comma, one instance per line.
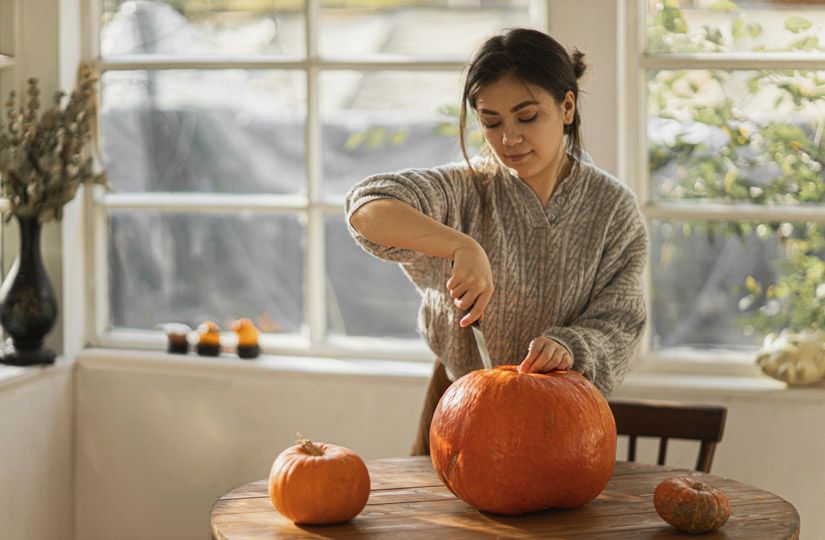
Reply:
x=569, y=107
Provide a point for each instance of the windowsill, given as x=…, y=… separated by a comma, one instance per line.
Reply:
x=13, y=376
x=663, y=385
x=155, y=361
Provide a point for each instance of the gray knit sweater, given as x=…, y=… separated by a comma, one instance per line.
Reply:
x=570, y=271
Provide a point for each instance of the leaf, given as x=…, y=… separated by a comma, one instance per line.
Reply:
x=797, y=24
x=807, y=43
x=355, y=140
x=754, y=30
x=724, y=6
x=753, y=286
x=399, y=137
x=737, y=29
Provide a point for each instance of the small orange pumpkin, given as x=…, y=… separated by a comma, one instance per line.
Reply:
x=691, y=506
x=318, y=483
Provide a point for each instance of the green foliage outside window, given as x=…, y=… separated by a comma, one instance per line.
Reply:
x=789, y=148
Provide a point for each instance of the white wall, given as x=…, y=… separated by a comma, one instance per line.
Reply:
x=590, y=26
x=159, y=441
x=36, y=499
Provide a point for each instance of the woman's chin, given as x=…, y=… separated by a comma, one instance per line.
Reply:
x=519, y=170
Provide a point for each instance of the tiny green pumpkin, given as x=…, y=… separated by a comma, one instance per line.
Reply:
x=691, y=506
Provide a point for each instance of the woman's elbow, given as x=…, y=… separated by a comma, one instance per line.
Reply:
x=358, y=220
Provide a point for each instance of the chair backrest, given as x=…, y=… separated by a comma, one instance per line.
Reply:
x=670, y=420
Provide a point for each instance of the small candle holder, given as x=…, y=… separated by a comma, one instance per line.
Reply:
x=209, y=339
x=247, y=338
x=176, y=334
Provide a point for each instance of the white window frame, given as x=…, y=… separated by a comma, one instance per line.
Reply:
x=633, y=165
x=311, y=207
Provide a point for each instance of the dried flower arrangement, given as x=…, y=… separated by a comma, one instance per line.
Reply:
x=44, y=160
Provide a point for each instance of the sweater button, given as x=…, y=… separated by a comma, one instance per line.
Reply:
x=561, y=199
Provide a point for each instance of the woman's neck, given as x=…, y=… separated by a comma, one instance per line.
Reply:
x=544, y=184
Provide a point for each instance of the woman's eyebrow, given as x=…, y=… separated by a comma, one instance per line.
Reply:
x=518, y=107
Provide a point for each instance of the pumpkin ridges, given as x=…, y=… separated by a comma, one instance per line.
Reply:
x=329, y=484
x=690, y=505
x=499, y=425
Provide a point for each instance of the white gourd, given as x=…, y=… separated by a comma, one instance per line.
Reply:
x=797, y=358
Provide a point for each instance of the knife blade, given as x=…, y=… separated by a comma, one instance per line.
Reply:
x=482, y=344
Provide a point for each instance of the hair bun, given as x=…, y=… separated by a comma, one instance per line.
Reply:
x=579, y=66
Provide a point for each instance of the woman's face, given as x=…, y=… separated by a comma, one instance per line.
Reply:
x=524, y=126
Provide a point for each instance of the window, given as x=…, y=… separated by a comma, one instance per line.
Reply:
x=230, y=133
x=733, y=126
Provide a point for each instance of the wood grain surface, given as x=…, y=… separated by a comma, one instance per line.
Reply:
x=408, y=500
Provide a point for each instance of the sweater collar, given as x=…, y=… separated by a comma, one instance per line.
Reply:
x=544, y=217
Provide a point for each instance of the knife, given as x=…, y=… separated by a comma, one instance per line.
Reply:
x=482, y=345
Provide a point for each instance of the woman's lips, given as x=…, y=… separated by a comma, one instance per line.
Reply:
x=515, y=158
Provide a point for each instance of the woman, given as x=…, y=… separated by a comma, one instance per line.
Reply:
x=542, y=246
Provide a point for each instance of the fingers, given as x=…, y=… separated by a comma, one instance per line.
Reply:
x=566, y=360
x=533, y=352
x=555, y=360
x=545, y=355
x=459, y=290
x=466, y=301
x=479, y=304
x=471, y=281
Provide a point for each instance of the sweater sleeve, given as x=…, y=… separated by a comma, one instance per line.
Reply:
x=604, y=336
x=434, y=192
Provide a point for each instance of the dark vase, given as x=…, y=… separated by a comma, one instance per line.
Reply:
x=29, y=309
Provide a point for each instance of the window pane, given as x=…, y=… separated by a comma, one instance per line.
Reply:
x=682, y=26
x=193, y=267
x=366, y=296
x=379, y=122
x=727, y=285
x=221, y=131
x=180, y=27
x=737, y=136
x=410, y=27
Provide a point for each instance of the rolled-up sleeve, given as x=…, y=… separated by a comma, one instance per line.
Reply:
x=434, y=192
x=605, y=335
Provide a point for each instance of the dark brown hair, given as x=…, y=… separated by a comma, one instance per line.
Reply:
x=531, y=57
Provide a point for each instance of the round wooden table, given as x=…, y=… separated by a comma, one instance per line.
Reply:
x=408, y=500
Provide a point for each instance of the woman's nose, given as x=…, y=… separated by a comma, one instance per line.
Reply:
x=510, y=137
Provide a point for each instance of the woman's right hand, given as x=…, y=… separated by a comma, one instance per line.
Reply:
x=471, y=281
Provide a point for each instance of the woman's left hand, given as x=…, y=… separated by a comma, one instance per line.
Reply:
x=543, y=355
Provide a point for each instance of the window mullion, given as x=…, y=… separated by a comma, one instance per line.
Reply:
x=737, y=61
x=718, y=211
x=100, y=280
x=638, y=173
x=314, y=268
x=203, y=202
x=385, y=63
x=90, y=47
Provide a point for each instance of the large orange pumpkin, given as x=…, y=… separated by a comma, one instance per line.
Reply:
x=318, y=483
x=511, y=443
x=690, y=505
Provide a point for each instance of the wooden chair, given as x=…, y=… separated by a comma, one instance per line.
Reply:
x=670, y=420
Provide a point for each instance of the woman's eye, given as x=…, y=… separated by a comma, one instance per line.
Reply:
x=527, y=120
x=490, y=126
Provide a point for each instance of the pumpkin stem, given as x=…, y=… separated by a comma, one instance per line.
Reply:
x=308, y=445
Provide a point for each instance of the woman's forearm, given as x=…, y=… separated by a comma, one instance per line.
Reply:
x=396, y=224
